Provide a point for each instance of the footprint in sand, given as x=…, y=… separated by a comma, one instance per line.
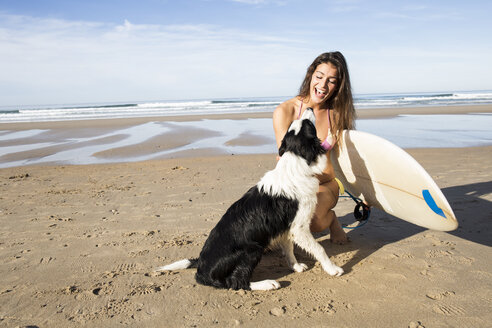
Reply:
x=435, y=253
x=449, y=310
x=46, y=260
x=105, y=288
x=121, y=269
x=126, y=267
x=325, y=309
x=464, y=260
x=138, y=253
x=57, y=218
x=145, y=290
x=176, y=241
x=8, y=290
x=117, y=307
x=71, y=290
x=436, y=295
x=444, y=243
x=401, y=256
x=442, y=308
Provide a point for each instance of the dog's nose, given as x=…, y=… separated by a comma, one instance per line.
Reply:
x=309, y=115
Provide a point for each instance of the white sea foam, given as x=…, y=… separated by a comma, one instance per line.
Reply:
x=222, y=106
x=175, y=104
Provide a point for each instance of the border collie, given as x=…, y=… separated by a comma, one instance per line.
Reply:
x=278, y=210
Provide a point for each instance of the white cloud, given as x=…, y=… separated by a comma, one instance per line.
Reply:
x=56, y=61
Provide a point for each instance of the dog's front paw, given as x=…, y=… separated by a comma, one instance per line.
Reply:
x=299, y=267
x=264, y=285
x=334, y=270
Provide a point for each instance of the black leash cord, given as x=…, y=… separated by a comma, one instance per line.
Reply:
x=362, y=212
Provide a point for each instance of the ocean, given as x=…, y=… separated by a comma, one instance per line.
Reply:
x=88, y=111
x=406, y=131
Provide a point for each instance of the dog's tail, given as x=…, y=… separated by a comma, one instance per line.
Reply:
x=179, y=265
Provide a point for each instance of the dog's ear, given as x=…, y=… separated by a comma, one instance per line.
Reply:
x=283, y=145
x=281, y=150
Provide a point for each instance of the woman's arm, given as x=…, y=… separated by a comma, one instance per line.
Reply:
x=282, y=118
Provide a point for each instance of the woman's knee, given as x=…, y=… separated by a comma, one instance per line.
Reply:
x=320, y=223
x=328, y=194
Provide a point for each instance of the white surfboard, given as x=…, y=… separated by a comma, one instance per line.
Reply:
x=387, y=177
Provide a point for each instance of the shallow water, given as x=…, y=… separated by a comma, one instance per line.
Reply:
x=407, y=131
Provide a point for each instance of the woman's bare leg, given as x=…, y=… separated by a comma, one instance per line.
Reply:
x=324, y=217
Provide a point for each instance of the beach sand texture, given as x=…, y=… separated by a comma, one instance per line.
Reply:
x=78, y=245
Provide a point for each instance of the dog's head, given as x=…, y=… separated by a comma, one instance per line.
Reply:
x=301, y=139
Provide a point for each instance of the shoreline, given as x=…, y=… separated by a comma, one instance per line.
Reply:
x=149, y=138
x=366, y=113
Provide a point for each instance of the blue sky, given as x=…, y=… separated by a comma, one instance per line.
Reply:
x=55, y=51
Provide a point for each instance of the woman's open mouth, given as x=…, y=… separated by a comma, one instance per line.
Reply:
x=319, y=93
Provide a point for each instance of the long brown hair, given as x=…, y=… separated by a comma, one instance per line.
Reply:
x=341, y=100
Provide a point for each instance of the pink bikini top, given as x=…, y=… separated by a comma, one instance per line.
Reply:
x=329, y=142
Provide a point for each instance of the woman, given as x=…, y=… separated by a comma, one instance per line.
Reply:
x=326, y=89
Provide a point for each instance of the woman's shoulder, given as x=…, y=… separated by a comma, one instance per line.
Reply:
x=288, y=108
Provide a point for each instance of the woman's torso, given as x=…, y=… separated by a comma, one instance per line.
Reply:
x=323, y=119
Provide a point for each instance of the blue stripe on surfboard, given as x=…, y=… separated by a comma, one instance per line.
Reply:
x=432, y=203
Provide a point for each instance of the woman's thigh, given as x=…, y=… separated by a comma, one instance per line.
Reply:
x=327, y=196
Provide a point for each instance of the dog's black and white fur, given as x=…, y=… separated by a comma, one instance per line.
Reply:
x=278, y=210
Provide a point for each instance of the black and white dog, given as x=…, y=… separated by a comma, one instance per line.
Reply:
x=278, y=210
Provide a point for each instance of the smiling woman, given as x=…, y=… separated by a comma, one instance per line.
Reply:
x=331, y=68
x=326, y=89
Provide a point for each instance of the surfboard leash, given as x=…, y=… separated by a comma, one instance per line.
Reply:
x=362, y=212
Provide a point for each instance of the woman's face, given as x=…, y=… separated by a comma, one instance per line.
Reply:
x=323, y=82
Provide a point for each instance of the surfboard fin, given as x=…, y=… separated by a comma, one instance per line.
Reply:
x=432, y=203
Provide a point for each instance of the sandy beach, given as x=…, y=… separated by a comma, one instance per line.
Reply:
x=78, y=243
